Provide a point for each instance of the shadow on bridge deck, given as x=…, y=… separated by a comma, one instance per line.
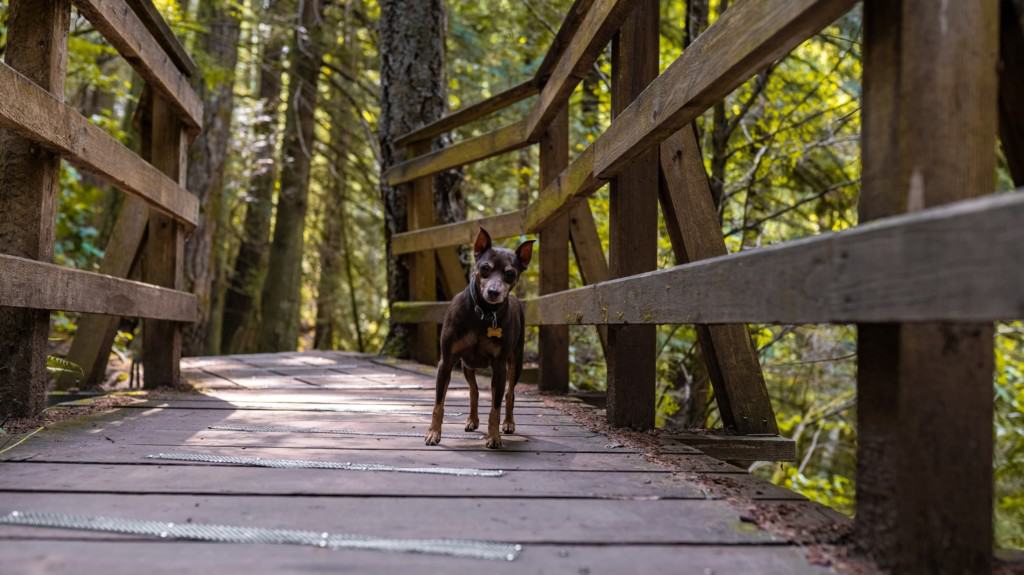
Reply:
x=574, y=500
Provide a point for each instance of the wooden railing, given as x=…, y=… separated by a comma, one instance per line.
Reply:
x=925, y=286
x=41, y=132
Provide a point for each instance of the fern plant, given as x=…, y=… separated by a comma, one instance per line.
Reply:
x=58, y=365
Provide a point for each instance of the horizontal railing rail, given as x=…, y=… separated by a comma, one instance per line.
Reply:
x=956, y=263
x=170, y=114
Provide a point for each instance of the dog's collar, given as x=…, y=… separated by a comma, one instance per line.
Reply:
x=485, y=314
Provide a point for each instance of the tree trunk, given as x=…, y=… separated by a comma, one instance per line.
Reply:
x=241, y=302
x=279, y=327
x=209, y=152
x=413, y=93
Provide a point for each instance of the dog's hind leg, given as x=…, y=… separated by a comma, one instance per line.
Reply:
x=444, y=376
x=473, y=422
x=515, y=370
x=514, y=367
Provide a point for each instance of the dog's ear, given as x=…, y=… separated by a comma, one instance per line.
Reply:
x=483, y=242
x=524, y=253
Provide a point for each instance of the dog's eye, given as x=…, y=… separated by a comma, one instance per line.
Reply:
x=510, y=276
x=485, y=270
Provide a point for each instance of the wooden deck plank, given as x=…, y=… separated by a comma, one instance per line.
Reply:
x=224, y=479
x=560, y=521
x=572, y=497
x=75, y=557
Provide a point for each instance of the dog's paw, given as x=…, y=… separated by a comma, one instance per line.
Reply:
x=472, y=423
x=433, y=437
x=509, y=426
x=494, y=442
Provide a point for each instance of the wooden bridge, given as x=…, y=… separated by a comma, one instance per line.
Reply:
x=935, y=263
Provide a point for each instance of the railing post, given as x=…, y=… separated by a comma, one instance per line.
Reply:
x=29, y=190
x=554, y=258
x=924, y=457
x=633, y=241
x=165, y=145
x=422, y=264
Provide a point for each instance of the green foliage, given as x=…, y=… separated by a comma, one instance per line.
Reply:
x=58, y=365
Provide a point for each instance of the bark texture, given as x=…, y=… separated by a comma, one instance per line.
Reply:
x=219, y=42
x=413, y=93
x=279, y=327
x=241, y=302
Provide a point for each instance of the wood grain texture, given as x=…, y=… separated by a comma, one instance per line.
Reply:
x=471, y=113
x=500, y=226
x=38, y=285
x=691, y=219
x=590, y=258
x=929, y=382
x=35, y=114
x=505, y=139
x=602, y=20
x=166, y=146
x=91, y=346
x=633, y=226
x=577, y=181
x=29, y=193
x=422, y=267
x=160, y=30
x=125, y=30
x=553, y=340
x=951, y=263
x=747, y=37
x=453, y=276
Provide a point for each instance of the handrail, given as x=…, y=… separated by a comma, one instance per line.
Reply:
x=949, y=263
x=56, y=126
x=125, y=30
x=470, y=113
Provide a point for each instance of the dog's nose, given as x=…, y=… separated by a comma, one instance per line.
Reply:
x=493, y=293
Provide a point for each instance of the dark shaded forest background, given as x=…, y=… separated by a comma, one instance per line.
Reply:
x=288, y=175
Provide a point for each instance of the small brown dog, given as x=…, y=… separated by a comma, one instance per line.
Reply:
x=484, y=327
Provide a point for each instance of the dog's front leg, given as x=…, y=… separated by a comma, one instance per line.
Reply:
x=499, y=373
x=473, y=421
x=444, y=376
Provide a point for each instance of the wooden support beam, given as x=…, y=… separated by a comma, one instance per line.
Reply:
x=553, y=340
x=566, y=32
x=1011, y=86
x=453, y=276
x=29, y=191
x=91, y=346
x=166, y=145
x=506, y=139
x=125, y=30
x=422, y=267
x=924, y=403
x=38, y=285
x=633, y=233
x=602, y=19
x=745, y=39
x=505, y=225
x=692, y=222
x=55, y=126
x=576, y=182
x=471, y=113
x=586, y=246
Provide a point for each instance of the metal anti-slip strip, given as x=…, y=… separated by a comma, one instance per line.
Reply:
x=313, y=464
x=237, y=534
x=286, y=429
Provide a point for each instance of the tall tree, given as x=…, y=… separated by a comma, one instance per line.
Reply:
x=218, y=41
x=279, y=326
x=241, y=301
x=413, y=93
